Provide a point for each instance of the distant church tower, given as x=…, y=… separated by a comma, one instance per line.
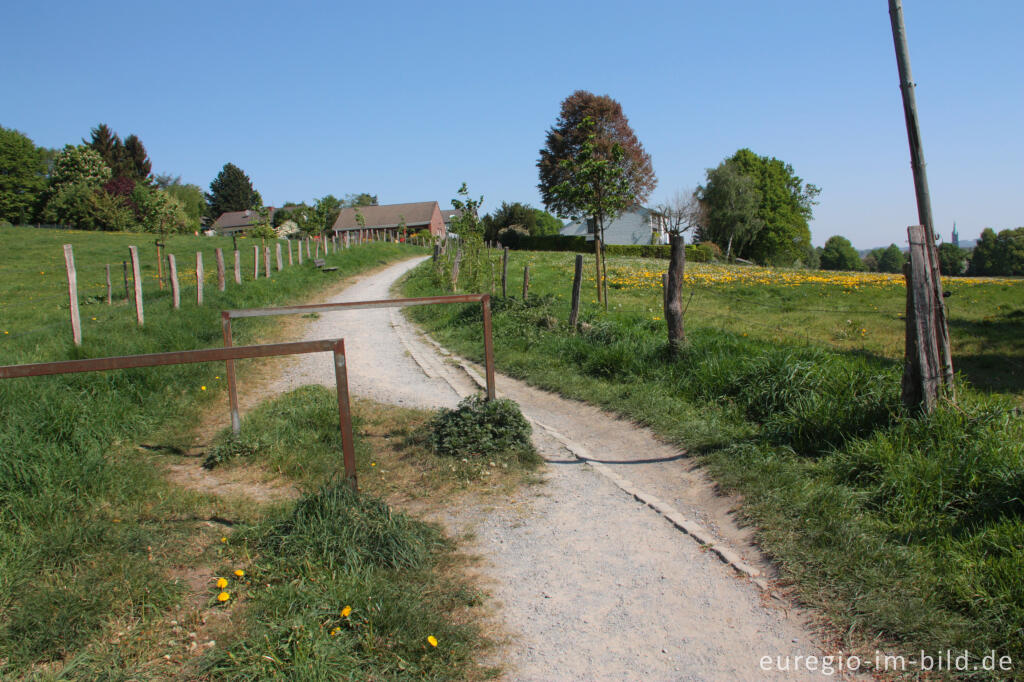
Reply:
x=956, y=237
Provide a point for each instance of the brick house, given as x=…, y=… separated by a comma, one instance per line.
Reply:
x=384, y=221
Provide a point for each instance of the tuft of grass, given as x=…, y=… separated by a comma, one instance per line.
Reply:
x=479, y=428
x=895, y=526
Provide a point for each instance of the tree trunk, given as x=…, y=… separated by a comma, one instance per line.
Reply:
x=674, y=298
x=597, y=264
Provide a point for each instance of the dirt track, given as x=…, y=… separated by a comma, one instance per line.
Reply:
x=623, y=565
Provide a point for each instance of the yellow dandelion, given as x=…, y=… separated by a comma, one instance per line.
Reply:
x=222, y=583
x=223, y=597
x=335, y=631
x=223, y=539
x=432, y=640
x=346, y=611
x=240, y=573
x=202, y=388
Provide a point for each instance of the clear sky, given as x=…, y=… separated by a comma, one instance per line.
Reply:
x=407, y=100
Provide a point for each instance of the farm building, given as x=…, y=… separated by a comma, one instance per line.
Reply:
x=236, y=222
x=636, y=225
x=387, y=221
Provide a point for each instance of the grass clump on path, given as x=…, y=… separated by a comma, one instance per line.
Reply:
x=479, y=428
x=901, y=529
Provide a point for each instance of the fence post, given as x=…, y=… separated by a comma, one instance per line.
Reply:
x=922, y=368
x=437, y=251
x=308, y=252
x=266, y=262
x=577, y=281
x=504, y=272
x=200, y=276
x=317, y=249
x=485, y=304
x=172, y=267
x=238, y=267
x=229, y=374
x=124, y=273
x=110, y=292
x=219, y=253
x=526, y=281
x=133, y=252
x=455, y=269
x=255, y=263
x=344, y=414
x=290, y=262
x=280, y=262
x=300, y=251
x=76, y=320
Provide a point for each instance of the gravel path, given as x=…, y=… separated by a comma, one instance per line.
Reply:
x=593, y=576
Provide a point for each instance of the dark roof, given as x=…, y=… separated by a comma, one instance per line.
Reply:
x=448, y=215
x=237, y=220
x=417, y=213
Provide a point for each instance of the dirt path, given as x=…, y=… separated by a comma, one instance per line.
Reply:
x=625, y=564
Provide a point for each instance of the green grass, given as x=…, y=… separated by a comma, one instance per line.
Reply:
x=904, y=529
x=83, y=512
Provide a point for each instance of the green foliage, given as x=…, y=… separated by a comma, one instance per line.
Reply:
x=952, y=259
x=126, y=159
x=528, y=220
x=193, y=203
x=839, y=254
x=777, y=233
x=75, y=204
x=482, y=428
x=999, y=254
x=78, y=165
x=322, y=216
x=231, y=190
x=469, y=233
x=360, y=199
x=891, y=260
x=158, y=211
x=22, y=176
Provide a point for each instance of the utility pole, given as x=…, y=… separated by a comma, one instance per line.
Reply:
x=924, y=207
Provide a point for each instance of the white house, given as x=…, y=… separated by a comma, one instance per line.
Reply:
x=636, y=225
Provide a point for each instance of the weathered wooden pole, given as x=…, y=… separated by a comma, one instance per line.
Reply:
x=238, y=267
x=924, y=207
x=110, y=291
x=266, y=262
x=577, y=282
x=280, y=260
x=219, y=255
x=255, y=262
x=172, y=268
x=133, y=253
x=674, y=293
x=200, y=277
x=76, y=320
x=526, y=281
x=290, y=262
x=504, y=272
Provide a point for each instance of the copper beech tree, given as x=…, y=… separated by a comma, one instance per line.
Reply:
x=592, y=142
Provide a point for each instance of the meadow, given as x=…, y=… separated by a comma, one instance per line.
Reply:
x=93, y=538
x=904, y=531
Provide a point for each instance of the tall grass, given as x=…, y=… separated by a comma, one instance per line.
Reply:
x=896, y=526
x=81, y=508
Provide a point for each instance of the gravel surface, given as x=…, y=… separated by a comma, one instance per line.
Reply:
x=591, y=581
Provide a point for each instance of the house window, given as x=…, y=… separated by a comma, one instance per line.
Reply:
x=591, y=225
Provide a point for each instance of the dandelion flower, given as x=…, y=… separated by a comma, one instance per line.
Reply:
x=224, y=540
x=432, y=640
x=222, y=583
x=240, y=573
x=223, y=597
x=335, y=631
x=202, y=388
x=346, y=611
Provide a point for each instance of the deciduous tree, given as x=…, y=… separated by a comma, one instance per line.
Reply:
x=22, y=176
x=682, y=213
x=839, y=254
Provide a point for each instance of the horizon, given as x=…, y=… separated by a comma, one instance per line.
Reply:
x=421, y=99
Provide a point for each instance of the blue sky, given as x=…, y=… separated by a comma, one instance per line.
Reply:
x=408, y=100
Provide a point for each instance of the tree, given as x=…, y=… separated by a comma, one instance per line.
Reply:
x=590, y=142
x=323, y=215
x=80, y=164
x=999, y=254
x=839, y=254
x=231, y=190
x=872, y=258
x=137, y=163
x=520, y=217
x=469, y=229
x=891, y=260
x=952, y=259
x=192, y=200
x=784, y=206
x=682, y=213
x=361, y=199
x=22, y=176
x=731, y=202
x=545, y=223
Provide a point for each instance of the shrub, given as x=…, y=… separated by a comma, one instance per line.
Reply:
x=479, y=427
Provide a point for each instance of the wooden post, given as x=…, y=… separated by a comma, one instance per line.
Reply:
x=317, y=249
x=307, y=249
x=290, y=262
x=255, y=262
x=159, y=266
x=110, y=291
x=280, y=261
x=504, y=272
x=922, y=365
x=172, y=267
x=76, y=320
x=133, y=253
x=266, y=262
x=200, y=276
x=577, y=282
x=455, y=269
x=219, y=254
x=526, y=281
x=437, y=251
x=124, y=273
x=300, y=250
x=674, y=293
x=924, y=206
x=238, y=267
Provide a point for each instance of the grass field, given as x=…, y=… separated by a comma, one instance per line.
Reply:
x=88, y=525
x=904, y=531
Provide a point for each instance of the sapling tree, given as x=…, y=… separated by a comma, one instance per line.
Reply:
x=680, y=214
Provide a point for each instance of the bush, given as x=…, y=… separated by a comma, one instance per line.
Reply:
x=479, y=427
